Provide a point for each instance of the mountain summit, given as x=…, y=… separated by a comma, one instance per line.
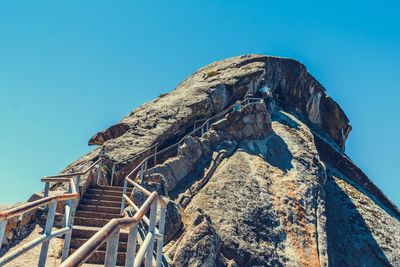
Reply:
x=267, y=184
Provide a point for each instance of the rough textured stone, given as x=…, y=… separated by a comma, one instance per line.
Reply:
x=199, y=246
x=357, y=225
x=166, y=175
x=180, y=167
x=110, y=133
x=17, y=227
x=253, y=121
x=191, y=149
x=256, y=189
x=173, y=220
x=274, y=202
x=175, y=169
x=260, y=207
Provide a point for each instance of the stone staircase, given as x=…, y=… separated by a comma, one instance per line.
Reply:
x=97, y=207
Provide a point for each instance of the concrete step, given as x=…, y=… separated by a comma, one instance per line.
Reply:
x=100, y=202
x=103, y=197
x=86, y=232
x=110, y=187
x=100, y=209
x=94, y=214
x=95, y=191
x=77, y=242
x=99, y=256
x=95, y=265
x=94, y=221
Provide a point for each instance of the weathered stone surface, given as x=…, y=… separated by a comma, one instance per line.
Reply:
x=202, y=95
x=255, y=190
x=17, y=227
x=166, y=174
x=199, y=246
x=191, y=149
x=360, y=231
x=251, y=122
x=173, y=219
x=175, y=169
x=275, y=203
x=260, y=207
x=341, y=162
x=180, y=167
x=110, y=133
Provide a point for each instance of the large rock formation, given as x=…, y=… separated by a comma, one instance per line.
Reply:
x=261, y=187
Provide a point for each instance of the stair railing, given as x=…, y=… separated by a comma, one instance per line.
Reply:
x=70, y=198
x=50, y=203
x=110, y=233
x=143, y=165
x=204, y=127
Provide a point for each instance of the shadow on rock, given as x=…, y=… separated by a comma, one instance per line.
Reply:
x=278, y=154
x=350, y=242
x=285, y=120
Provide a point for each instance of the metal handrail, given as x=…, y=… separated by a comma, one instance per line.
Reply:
x=48, y=234
x=206, y=123
x=111, y=232
x=39, y=203
x=137, y=155
x=75, y=173
x=247, y=100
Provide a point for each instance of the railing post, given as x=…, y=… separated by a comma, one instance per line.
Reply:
x=202, y=130
x=98, y=173
x=112, y=249
x=177, y=150
x=123, y=199
x=161, y=239
x=112, y=174
x=145, y=166
x=70, y=222
x=141, y=173
x=47, y=232
x=46, y=191
x=67, y=208
x=131, y=248
x=152, y=226
x=208, y=125
x=78, y=180
x=3, y=224
x=155, y=155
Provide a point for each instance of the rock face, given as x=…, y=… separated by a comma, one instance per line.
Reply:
x=206, y=92
x=261, y=186
x=17, y=228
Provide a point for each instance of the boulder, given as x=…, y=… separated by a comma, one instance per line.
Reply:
x=110, y=133
x=173, y=220
x=191, y=149
x=199, y=246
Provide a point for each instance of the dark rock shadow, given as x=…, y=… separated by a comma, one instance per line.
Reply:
x=278, y=154
x=339, y=161
x=285, y=120
x=350, y=242
x=194, y=176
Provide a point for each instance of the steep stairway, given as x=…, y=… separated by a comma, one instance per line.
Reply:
x=97, y=207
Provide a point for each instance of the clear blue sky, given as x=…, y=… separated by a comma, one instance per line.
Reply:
x=69, y=69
